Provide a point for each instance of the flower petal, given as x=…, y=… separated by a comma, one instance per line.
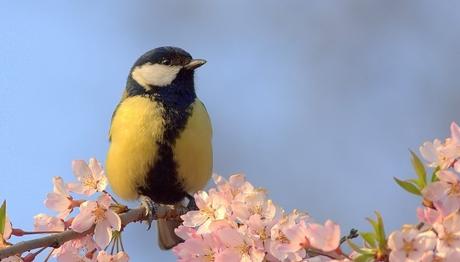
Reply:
x=455, y=132
x=57, y=202
x=194, y=218
x=102, y=234
x=76, y=188
x=85, y=219
x=43, y=222
x=59, y=186
x=80, y=169
x=230, y=237
x=449, y=177
x=113, y=219
x=228, y=255
x=435, y=191
x=95, y=167
x=102, y=184
x=104, y=201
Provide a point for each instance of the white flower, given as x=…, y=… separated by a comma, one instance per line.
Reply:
x=448, y=233
x=91, y=177
x=43, y=222
x=59, y=200
x=99, y=214
x=410, y=245
x=212, y=207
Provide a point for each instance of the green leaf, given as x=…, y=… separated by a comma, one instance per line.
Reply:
x=434, y=177
x=416, y=182
x=379, y=230
x=374, y=225
x=364, y=258
x=408, y=186
x=358, y=249
x=419, y=169
x=369, y=237
x=381, y=237
x=2, y=217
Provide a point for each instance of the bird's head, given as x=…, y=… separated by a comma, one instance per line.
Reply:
x=162, y=66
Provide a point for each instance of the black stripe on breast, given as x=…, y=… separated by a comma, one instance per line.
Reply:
x=162, y=183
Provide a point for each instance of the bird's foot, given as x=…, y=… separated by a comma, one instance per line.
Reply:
x=191, y=203
x=151, y=209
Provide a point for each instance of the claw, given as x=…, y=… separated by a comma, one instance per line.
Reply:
x=151, y=208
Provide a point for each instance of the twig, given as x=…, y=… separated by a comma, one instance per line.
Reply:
x=332, y=254
x=49, y=255
x=353, y=234
x=56, y=240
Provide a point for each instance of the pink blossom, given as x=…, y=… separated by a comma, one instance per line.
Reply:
x=428, y=215
x=72, y=255
x=450, y=255
x=204, y=248
x=441, y=154
x=43, y=222
x=91, y=177
x=212, y=207
x=448, y=233
x=247, y=204
x=280, y=245
x=99, y=214
x=410, y=245
x=238, y=246
x=186, y=232
x=445, y=193
x=429, y=151
x=235, y=185
x=259, y=229
x=119, y=257
x=59, y=200
x=296, y=241
x=72, y=250
x=237, y=222
x=326, y=238
x=455, y=132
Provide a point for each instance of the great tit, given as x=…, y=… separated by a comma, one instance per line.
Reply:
x=160, y=135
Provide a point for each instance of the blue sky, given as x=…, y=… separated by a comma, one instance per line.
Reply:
x=317, y=101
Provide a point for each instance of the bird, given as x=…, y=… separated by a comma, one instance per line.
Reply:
x=160, y=136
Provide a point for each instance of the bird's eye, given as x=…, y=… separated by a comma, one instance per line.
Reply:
x=165, y=62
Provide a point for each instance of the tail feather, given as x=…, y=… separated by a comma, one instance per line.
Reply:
x=167, y=238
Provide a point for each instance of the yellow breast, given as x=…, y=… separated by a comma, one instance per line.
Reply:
x=136, y=127
x=193, y=150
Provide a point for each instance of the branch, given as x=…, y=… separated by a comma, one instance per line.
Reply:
x=332, y=254
x=56, y=240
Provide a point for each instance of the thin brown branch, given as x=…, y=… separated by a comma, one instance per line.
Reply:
x=56, y=240
x=332, y=254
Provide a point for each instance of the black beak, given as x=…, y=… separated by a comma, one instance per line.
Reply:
x=195, y=63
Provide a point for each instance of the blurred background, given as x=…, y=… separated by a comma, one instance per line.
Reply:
x=316, y=101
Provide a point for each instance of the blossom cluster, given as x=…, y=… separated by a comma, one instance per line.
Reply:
x=437, y=237
x=95, y=217
x=237, y=222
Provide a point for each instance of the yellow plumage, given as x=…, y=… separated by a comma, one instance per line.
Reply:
x=193, y=151
x=136, y=127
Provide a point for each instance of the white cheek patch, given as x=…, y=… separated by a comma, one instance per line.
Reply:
x=155, y=74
